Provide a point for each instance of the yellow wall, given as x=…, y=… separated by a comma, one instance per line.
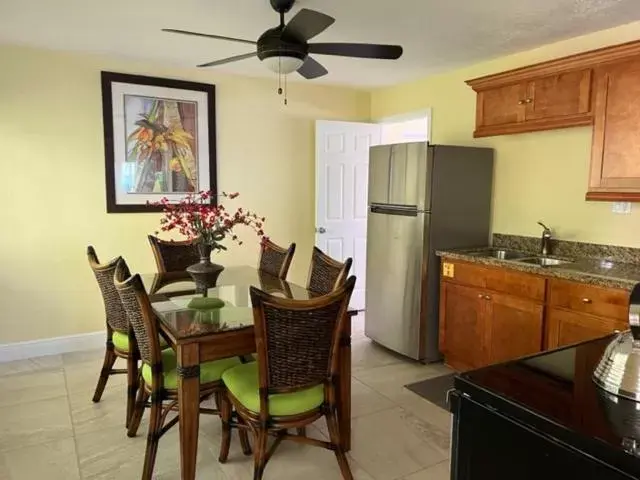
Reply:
x=52, y=199
x=538, y=176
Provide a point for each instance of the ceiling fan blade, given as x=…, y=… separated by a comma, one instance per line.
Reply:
x=306, y=24
x=311, y=69
x=228, y=60
x=207, y=35
x=358, y=50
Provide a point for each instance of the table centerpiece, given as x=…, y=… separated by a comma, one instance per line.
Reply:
x=208, y=225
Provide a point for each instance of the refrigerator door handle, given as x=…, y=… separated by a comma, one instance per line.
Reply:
x=388, y=209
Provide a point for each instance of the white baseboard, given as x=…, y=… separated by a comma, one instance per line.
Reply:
x=51, y=346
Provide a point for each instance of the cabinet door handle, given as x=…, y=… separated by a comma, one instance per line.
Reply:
x=520, y=102
x=616, y=331
x=487, y=297
x=586, y=300
x=480, y=295
x=528, y=100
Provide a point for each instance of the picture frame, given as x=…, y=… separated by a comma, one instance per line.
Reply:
x=159, y=140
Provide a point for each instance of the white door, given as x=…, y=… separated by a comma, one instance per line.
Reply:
x=342, y=171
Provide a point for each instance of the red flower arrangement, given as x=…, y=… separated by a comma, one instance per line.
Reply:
x=197, y=219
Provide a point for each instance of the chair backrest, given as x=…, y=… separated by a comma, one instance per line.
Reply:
x=140, y=315
x=114, y=312
x=326, y=274
x=274, y=259
x=173, y=256
x=297, y=341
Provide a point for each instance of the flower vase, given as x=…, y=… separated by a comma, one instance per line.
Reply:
x=205, y=273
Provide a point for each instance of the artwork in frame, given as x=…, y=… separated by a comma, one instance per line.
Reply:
x=160, y=140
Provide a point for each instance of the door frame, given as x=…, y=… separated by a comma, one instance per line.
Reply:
x=426, y=113
x=396, y=118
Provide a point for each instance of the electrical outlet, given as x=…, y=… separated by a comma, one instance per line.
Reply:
x=623, y=208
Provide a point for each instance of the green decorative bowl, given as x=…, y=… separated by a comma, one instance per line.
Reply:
x=205, y=303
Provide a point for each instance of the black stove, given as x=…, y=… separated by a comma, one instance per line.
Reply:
x=542, y=417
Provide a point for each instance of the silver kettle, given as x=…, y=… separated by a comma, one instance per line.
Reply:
x=618, y=371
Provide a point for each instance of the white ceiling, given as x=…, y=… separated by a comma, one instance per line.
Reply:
x=436, y=34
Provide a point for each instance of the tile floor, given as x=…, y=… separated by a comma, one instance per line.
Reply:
x=49, y=428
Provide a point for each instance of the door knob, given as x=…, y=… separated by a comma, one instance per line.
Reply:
x=321, y=230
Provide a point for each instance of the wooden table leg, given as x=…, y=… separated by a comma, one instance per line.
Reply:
x=189, y=406
x=344, y=387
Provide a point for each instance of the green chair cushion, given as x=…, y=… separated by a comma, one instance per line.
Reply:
x=242, y=382
x=121, y=341
x=209, y=371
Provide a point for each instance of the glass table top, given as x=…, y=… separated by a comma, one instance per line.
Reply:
x=171, y=294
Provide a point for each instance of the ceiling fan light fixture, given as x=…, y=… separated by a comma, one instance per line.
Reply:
x=284, y=64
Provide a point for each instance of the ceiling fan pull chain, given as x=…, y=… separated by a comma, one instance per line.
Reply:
x=285, y=90
x=279, y=76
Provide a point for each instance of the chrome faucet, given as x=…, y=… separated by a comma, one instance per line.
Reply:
x=545, y=243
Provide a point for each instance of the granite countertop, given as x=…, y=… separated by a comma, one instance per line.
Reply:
x=600, y=272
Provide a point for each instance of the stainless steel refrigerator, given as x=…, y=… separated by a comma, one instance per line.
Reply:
x=422, y=198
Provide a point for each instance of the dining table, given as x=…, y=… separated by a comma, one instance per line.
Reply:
x=201, y=335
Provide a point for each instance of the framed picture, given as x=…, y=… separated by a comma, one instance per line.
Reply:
x=159, y=138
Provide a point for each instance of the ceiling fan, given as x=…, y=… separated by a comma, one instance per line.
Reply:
x=285, y=48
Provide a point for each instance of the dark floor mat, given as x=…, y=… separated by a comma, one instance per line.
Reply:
x=434, y=389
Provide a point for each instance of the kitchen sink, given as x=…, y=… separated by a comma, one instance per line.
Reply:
x=543, y=261
x=499, y=253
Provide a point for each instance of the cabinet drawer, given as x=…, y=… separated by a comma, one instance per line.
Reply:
x=604, y=302
x=515, y=283
x=463, y=273
x=497, y=279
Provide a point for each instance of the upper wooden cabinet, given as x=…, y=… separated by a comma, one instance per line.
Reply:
x=554, y=94
x=563, y=96
x=539, y=103
x=615, y=169
x=501, y=107
x=550, y=101
x=599, y=87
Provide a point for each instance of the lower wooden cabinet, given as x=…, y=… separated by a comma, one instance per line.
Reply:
x=565, y=327
x=462, y=325
x=491, y=315
x=514, y=327
x=479, y=327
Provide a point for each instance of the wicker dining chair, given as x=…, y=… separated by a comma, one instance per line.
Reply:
x=326, y=274
x=158, y=375
x=173, y=256
x=294, y=381
x=274, y=259
x=118, y=345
